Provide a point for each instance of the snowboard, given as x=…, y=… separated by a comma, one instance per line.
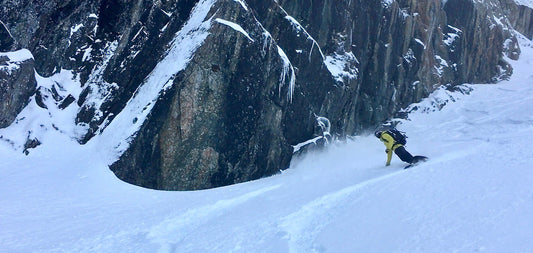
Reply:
x=417, y=160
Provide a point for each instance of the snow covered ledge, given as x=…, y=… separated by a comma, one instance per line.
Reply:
x=116, y=137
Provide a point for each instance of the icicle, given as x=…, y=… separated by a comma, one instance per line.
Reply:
x=266, y=40
x=287, y=67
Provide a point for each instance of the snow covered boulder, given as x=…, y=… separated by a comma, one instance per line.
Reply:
x=17, y=84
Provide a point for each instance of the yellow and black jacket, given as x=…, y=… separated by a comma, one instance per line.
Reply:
x=390, y=143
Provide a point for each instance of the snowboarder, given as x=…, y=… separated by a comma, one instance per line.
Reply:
x=394, y=141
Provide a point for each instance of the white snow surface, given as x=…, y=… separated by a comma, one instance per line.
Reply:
x=243, y=4
x=235, y=27
x=420, y=42
x=387, y=3
x=75, y=29
x=15, y=58
x=18, y=56
x=473, y=195
x=340, y=66
x=35, y=122
x=527, y=3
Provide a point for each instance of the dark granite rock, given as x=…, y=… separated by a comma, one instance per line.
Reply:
x=17, y=84
x=6, y=40
x=30, y=143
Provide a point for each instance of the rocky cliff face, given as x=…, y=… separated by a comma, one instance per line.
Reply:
x=198, y=94
x=519, y=14
x=17, y=84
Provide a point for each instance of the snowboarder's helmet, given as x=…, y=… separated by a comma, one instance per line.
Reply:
x=378, y=134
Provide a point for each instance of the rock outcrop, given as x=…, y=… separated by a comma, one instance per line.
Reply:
x=520, y=15
x=17, y=84
x=6, y=40
x=203, y=93
x=221, y=122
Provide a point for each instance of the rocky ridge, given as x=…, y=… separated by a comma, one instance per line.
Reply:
x=200, y=94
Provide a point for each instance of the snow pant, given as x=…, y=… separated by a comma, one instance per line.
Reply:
x=403, y=154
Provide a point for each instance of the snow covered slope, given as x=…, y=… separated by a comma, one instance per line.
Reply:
x=474, y=194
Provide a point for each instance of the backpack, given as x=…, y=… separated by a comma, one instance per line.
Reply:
x=398, y=136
